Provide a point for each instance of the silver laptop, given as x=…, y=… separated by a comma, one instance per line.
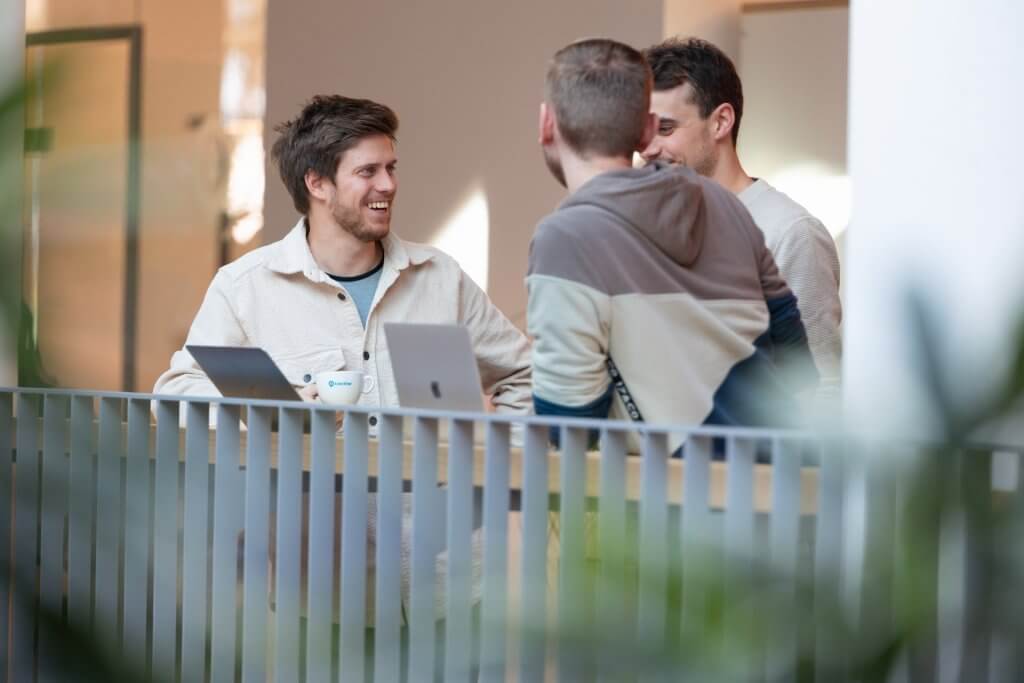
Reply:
x=434, y=367
x=243, y=372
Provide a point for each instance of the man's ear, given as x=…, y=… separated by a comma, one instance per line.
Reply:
x=316, y=185
x=546, y=125
x=650, y=130
x=723, y=118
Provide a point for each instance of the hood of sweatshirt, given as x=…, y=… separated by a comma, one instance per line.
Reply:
x=664, y=203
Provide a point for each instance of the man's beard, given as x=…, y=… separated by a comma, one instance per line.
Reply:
x=554, y=164
x=706, y=161
x=352, y=222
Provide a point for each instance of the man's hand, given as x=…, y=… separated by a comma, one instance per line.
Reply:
x=310, y=394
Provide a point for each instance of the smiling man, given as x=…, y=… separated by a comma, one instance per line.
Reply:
x=317, y=300
x=698, y=98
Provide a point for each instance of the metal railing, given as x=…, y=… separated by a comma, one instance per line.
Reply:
x=200, y=553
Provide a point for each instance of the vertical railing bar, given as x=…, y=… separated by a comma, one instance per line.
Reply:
x=354, y=518
x=979, y=566
x=533, y=645
x=651, y=619
x=165, y=540
x=495, y=587
x=81, y=496
x=828, y=552
x=387, y=607
x=695, y=529
x=228, y=510
x=785, y=529
x=108, y=521
x=572, y=608
x=6, y=493
x=196, y=526
x=424, y=551
x=26, y=520
x=137, y=535
x=611, y=540
x=739, y=536
x=257, y=527
x=54, y=501
x=320, y=587
x=288, y=545
x=458, y=645
x=873, y=555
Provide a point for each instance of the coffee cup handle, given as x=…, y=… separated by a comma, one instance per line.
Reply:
x=368, y=383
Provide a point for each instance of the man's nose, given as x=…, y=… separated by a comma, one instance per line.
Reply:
x=652, y=152
x=385, y=183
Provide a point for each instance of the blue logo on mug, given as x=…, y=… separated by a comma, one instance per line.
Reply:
x=338, y=383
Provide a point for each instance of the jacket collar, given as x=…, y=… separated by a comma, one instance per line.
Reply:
x=293, y=255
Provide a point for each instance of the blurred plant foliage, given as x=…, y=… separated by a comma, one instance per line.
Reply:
x=75, y=652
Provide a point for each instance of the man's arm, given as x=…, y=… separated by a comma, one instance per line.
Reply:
x=569, y=323
x=216, y=324
x=785, y=326
x=502, y=351
x=807, y=259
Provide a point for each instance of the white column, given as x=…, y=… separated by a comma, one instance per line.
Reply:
x=12, y=67
x=935, y=147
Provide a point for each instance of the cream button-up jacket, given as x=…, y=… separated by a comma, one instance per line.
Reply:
x=276, y=298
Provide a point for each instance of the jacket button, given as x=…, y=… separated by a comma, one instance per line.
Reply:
x=307, y=377
x=366, y=355
x=341, y=295
x=373, y=421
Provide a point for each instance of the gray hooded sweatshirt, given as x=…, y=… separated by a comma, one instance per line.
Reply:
x=665, y=272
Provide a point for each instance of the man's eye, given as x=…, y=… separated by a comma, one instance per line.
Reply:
x=666, y=130
x=366, y=172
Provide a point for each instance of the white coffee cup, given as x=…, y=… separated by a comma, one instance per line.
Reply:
x=340, y=386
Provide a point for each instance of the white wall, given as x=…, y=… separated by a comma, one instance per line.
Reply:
x=935, y=150
x=466, y=79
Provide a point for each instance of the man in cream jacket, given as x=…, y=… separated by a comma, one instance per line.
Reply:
x=317, y=299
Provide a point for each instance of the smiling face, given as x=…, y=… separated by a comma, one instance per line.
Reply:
x=684, y=136
x=362, y=195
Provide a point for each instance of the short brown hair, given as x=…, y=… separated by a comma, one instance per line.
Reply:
x=707, y=69
x=601, y=91
x=316, y=139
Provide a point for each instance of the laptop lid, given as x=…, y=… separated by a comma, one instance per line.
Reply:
x=243, y=372
x=434, y=367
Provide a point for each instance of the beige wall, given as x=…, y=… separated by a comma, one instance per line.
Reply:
x=793, y=62
x=180, y=195
x=466, y=79
x=714, y=20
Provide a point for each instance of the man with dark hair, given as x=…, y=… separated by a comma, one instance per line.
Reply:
x=317, y=299
x=651, y=292
x=698, y=99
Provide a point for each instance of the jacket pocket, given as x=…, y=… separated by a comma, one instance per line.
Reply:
x=301, y=369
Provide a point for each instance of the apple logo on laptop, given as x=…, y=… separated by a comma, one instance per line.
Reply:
x=435, y=389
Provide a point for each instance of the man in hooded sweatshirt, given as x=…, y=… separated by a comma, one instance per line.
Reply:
x=651, y=293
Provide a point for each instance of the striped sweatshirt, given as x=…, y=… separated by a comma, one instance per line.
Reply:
x=666, y=273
